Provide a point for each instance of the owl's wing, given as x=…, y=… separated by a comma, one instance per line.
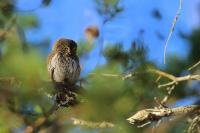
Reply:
x=79, y=67
x=52, y=73
x=51, y=64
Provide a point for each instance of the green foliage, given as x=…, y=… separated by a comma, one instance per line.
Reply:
x=24, y=81
x=6, y=7
x=195, y=47
x=111, y=98
x=28, y=21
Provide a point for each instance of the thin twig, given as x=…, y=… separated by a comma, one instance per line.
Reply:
x=195, y=65
x=122, y=76
x=163, y=74
x=172, y=29
x=106, y=74
x=174, y=80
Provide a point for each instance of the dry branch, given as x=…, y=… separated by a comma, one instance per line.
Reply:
x=174, y=80
x=147, y=116
x=122, y=76
x=195, y=65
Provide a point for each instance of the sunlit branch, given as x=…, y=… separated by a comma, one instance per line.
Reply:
x=174, y=80
x=195, y=65
x=147, y=116
x=106, y=74
x=122, y=76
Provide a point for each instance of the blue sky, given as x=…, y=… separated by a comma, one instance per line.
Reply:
x=69, y=18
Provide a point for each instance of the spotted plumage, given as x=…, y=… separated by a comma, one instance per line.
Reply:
x=63, y=62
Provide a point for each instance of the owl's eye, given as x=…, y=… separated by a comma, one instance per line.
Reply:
x=60, y=46
x=73, y=48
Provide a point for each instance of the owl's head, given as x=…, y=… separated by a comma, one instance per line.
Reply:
x=66, y=46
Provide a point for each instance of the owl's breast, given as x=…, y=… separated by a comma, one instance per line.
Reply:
x=65, y=68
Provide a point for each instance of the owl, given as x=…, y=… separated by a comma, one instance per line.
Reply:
x=63, y=63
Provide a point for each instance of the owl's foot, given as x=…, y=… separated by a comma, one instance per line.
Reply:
x=66, y=99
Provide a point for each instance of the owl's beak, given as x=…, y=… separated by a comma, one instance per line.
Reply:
x=69, y=52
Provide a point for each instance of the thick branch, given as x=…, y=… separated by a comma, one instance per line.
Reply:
x=146, y=116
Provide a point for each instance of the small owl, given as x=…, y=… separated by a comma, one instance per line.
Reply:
x=63, y=62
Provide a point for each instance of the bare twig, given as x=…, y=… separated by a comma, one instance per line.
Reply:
x=90, y=124
x=169, y=91
x=195, y=65
x=123, y=77
x=106, y=74
x=174, y=80
x=146, y=116
x=162, y=74
x=172, y=28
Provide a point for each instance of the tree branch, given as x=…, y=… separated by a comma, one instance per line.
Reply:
x=175, y=80
x=147, y=116
x=195, y=65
